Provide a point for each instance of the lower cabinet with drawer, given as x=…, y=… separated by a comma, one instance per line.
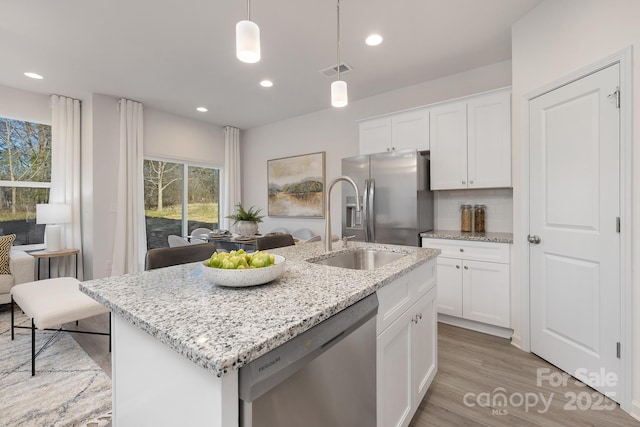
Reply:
x=473, y=280
x=406, y=345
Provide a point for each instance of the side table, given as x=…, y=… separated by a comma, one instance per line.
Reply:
x=54, y=254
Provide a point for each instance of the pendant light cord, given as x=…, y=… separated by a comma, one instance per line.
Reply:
x=338, y=45
x=248, y=10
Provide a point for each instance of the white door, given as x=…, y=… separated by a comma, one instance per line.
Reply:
x=574, y=205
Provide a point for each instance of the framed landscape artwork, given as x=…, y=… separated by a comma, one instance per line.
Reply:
x=296, y=186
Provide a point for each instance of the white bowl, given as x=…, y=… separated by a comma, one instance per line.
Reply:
x=244, y=277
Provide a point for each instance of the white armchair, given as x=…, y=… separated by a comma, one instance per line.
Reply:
x=21, y=265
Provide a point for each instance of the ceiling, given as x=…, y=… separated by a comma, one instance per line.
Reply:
x=180, y=54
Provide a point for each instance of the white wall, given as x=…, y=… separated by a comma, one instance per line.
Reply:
x=20, y=104
x=499, y=211
x=336, y=132
x=552, y=41
x=168, y=135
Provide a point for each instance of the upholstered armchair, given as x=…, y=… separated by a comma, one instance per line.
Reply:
x=21, y=265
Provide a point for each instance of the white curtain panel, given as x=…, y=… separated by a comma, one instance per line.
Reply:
x=232, y=181
x=130, y=241
x=65, y=178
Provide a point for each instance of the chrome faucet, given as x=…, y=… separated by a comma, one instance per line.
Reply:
x=327, y=209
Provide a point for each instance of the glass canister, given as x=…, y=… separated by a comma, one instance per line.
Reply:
x=465, y=217
x=479, y=217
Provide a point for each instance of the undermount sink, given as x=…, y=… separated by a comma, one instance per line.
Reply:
x=361, y=259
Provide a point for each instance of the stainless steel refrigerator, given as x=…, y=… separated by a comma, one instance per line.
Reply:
x=395, y=196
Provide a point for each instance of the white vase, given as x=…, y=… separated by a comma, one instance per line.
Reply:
x=247, y=228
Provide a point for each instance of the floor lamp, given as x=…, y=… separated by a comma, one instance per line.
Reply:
x=53, y=216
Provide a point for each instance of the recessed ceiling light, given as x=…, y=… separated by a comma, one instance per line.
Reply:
x=34, y=76
x=202, y=109
x=374, y=40
x=266, y=83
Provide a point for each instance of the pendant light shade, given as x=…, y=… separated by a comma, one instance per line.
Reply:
x=248, y=42
x=339, y=96
x=248, y=39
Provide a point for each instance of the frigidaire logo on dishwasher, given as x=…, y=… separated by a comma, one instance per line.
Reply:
x=269, y=364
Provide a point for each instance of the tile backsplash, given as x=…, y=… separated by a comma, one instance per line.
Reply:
x=499, y=202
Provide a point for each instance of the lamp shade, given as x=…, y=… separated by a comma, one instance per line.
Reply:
x=53, y=214
x=248, y=42
x=339, y=97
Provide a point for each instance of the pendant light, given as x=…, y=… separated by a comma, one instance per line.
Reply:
x=248, y=39
x=339, y=96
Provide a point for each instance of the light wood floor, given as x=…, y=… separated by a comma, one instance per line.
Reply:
x=472, y=363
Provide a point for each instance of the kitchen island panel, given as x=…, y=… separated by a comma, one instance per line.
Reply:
x=154, y=385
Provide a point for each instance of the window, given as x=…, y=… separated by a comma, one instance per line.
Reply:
x=178, y=198
x=25, y=179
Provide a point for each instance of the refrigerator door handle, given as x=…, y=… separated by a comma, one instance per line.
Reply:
x=365, y=210
x=371, y=214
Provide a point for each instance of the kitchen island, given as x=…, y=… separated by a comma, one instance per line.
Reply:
x=178, y=340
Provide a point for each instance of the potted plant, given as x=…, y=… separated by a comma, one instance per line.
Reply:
x=246, y=220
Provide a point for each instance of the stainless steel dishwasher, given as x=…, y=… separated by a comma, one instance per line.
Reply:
x=325, y=376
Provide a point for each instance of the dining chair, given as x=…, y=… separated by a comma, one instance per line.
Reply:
x=166, y=257
x=274, y=241
x=315, y=238
x=175, y=240
x=199, y=232
x=303, y=234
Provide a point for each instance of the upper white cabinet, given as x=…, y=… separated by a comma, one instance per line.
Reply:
x=401, y=131
x=375, y=135
x=470, y=142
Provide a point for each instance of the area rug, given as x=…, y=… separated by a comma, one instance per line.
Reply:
x=69, y=388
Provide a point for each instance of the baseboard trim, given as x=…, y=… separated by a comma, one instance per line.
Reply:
x=476, y=326
x=635, y=409
x=516, y=341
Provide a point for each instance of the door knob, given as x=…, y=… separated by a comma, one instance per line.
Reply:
x=533, y=239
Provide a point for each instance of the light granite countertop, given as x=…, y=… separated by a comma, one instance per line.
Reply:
x=220, y=328
x=465, y=235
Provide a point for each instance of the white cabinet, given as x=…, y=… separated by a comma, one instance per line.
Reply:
x=406, y=345
x=408, y=130
x=473, y=280
x=470, y=143
x=375, y=135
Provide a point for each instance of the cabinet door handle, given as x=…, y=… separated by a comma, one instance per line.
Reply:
x=457, y=266
x=461, y=250
x=466, y=267
x=470, y=182
x=464, y=182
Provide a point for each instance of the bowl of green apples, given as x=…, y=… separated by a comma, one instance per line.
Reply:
x=240, y=269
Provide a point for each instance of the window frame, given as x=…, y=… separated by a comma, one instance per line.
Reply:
x=31, y=184
x=185, y=185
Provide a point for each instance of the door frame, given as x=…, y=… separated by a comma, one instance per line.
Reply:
x=624, y=58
